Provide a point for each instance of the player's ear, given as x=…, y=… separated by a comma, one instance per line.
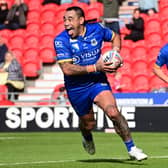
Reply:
x=82, y=20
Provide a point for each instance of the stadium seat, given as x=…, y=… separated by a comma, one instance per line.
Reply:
x=155, y=17
x=3, y=92
x=46, y=101
x=18, y=32
x=126, y=68
x=33, y=28
x=98, y=6
x=93, y=13
x=46, y=41
x=10, y=3
x=154, y=38
x=163, y=13
x=34, y=5
x=16, y=41
x=139, y=43
x=139, y=67
x=150, y=69
x=47, y=55
x=165, y=38
x=82, y=5
x=153, y=52
x=47, y=29
x=31, y=41
x=31, y=55
x=164, y=27
x=126, y=81
x=141, y=84
x=6, y=33
x=61, y=11
x=59, y=27
x=139, y=53
x=162, y=4
x=33, y=16
x=30, y=69
x=127, y=43
x=126, y=54
x=106, y=47
x=50, y=6
x=6, y=103
x=156, y=83
x=152, y=26
x=48, y=16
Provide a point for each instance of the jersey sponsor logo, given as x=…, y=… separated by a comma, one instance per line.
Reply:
x=76, y=59
x=86, y=57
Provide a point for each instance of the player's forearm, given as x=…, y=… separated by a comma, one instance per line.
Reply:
x=71, y=69
x=116, y=42
x=160, y=74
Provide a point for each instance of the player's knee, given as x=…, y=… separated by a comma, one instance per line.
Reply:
x=90, y=125
x=113, y=113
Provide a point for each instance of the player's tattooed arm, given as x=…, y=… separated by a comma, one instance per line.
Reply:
x=70, y=69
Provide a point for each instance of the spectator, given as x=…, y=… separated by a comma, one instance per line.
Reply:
x=3, y=13
x=3, y=50
x=111, y=14
x=58, y=2
x=66, y=1
x=17, y=15
x=11, y=73
x=145, y=5
x=136, y=27
x=117, y=82
x=162, y=59
x=62, y=96
x=84, y=1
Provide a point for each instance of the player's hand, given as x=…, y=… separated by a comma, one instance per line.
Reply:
x=109, y=68
x=105, y=67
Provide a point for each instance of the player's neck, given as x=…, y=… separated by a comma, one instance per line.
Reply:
x=83, y=31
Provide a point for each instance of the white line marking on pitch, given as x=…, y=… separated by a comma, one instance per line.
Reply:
x=11, y=138
x=63, y=161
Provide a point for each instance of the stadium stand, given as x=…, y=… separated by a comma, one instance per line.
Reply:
x=33, y=47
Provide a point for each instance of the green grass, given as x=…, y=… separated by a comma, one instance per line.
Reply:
x=64, y=150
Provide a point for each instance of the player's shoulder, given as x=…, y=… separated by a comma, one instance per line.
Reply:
x=62, y=36
x=165, y=47
x=95, y=25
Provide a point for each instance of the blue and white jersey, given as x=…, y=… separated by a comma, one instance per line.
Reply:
x=162, y=58
x=84, y=50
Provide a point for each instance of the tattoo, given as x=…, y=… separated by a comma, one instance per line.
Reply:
x=121, y=127
x=71, y=69
x=120, y=123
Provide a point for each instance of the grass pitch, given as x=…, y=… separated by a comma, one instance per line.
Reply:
x=64, y=150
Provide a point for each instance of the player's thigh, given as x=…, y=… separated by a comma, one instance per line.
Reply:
x=106, y=101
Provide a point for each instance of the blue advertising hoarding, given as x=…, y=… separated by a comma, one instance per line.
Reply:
x=141, y=99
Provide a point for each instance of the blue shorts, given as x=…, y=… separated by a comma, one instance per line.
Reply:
x=82, y=98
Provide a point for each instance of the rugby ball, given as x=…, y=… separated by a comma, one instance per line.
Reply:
x=114, y=57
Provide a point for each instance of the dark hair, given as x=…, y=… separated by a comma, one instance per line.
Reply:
x=4, y=4
x=79, y=11
x=137, y=9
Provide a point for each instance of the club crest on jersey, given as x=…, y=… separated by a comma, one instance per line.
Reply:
x=94, y=42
